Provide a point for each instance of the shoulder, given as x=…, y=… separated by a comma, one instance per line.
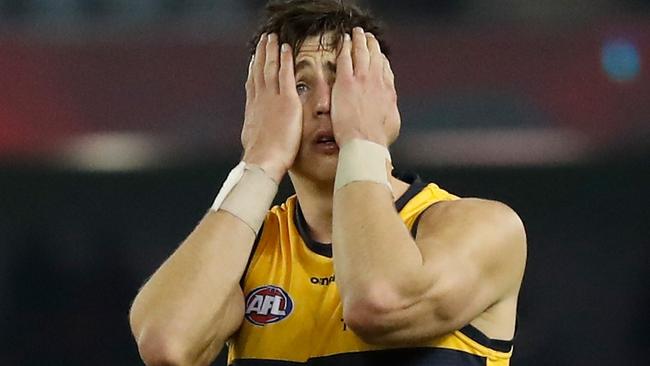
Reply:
x=474, y=211
x=486, y=231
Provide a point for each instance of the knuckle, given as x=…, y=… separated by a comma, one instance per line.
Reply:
x=272, y=64
x=350, y=78
x=271, y=76
x=261, y=95
x=258, y=70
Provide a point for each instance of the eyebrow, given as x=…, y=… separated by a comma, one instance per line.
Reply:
x=331, y=66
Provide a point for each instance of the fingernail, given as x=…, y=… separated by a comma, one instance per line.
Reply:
x=272, y=37
x=346, y=37
x=285, y=47
x=262, y=37
x=358, y=29
x=368, y=34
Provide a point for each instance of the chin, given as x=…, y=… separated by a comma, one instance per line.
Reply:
x=319, y=169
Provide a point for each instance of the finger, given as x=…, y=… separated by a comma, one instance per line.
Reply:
x=374, y=50
x=360, y=54
x=344, y=66
x=272, y=62
x=258, y=63
x=389, y=76
x=250, y=83
x=287, y=79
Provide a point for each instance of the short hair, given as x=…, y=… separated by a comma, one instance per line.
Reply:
x=295, y=20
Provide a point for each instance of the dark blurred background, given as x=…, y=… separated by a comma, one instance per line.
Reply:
x=119, y=120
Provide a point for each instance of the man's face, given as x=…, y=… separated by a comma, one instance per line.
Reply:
x=315, y=70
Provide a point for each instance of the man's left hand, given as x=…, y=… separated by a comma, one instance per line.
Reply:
x=364, y=100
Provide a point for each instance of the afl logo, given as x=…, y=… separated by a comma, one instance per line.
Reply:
x=267, y=304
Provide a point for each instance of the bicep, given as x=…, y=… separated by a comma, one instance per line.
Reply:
x=473, y=253
x=233, y=316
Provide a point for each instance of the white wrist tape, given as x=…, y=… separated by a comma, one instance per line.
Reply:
x=362, y=160
x=247, y=194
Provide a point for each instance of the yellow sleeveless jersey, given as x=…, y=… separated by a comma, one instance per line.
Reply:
x=293, y=312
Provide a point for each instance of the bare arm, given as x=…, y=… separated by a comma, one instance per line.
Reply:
x=469, y=254
x=193, y=303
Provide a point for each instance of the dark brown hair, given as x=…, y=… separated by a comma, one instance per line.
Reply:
x=296, y=20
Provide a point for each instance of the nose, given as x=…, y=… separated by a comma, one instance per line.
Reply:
x=323, y=96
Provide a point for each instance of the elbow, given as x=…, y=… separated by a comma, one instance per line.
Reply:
x=389, y=320
x=375, y=320
x=156, y=345
x=380, y=324
x=161, y=350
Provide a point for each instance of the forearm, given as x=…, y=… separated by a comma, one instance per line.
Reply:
x=193, y=302
x=187, y=296
x=375, y=255
x=195, y=296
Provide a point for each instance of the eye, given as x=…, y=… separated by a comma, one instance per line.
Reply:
x=302, y=88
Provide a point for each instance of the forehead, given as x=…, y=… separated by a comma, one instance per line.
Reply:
x=317, y=50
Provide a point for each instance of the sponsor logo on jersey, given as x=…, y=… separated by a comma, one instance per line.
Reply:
x=267, y=304
x=322, y=281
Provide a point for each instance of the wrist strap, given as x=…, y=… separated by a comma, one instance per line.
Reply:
x=362, y=160
x=247, y=194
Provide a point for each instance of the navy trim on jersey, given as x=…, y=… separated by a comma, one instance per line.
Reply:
x=469, y=330
x=478, y=336
x=250, y=256
x=414, y=228
x=416, y=186
x=301, y=224
x=423, y=356
x=416, y=223
x=325, y=249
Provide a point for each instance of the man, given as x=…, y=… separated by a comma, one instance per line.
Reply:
x=413, y=275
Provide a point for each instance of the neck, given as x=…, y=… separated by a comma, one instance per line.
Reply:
x=316, y=202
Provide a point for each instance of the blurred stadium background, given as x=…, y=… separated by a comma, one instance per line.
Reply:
x=119, y=119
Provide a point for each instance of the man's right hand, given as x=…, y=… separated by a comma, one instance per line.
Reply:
x=273, y=119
